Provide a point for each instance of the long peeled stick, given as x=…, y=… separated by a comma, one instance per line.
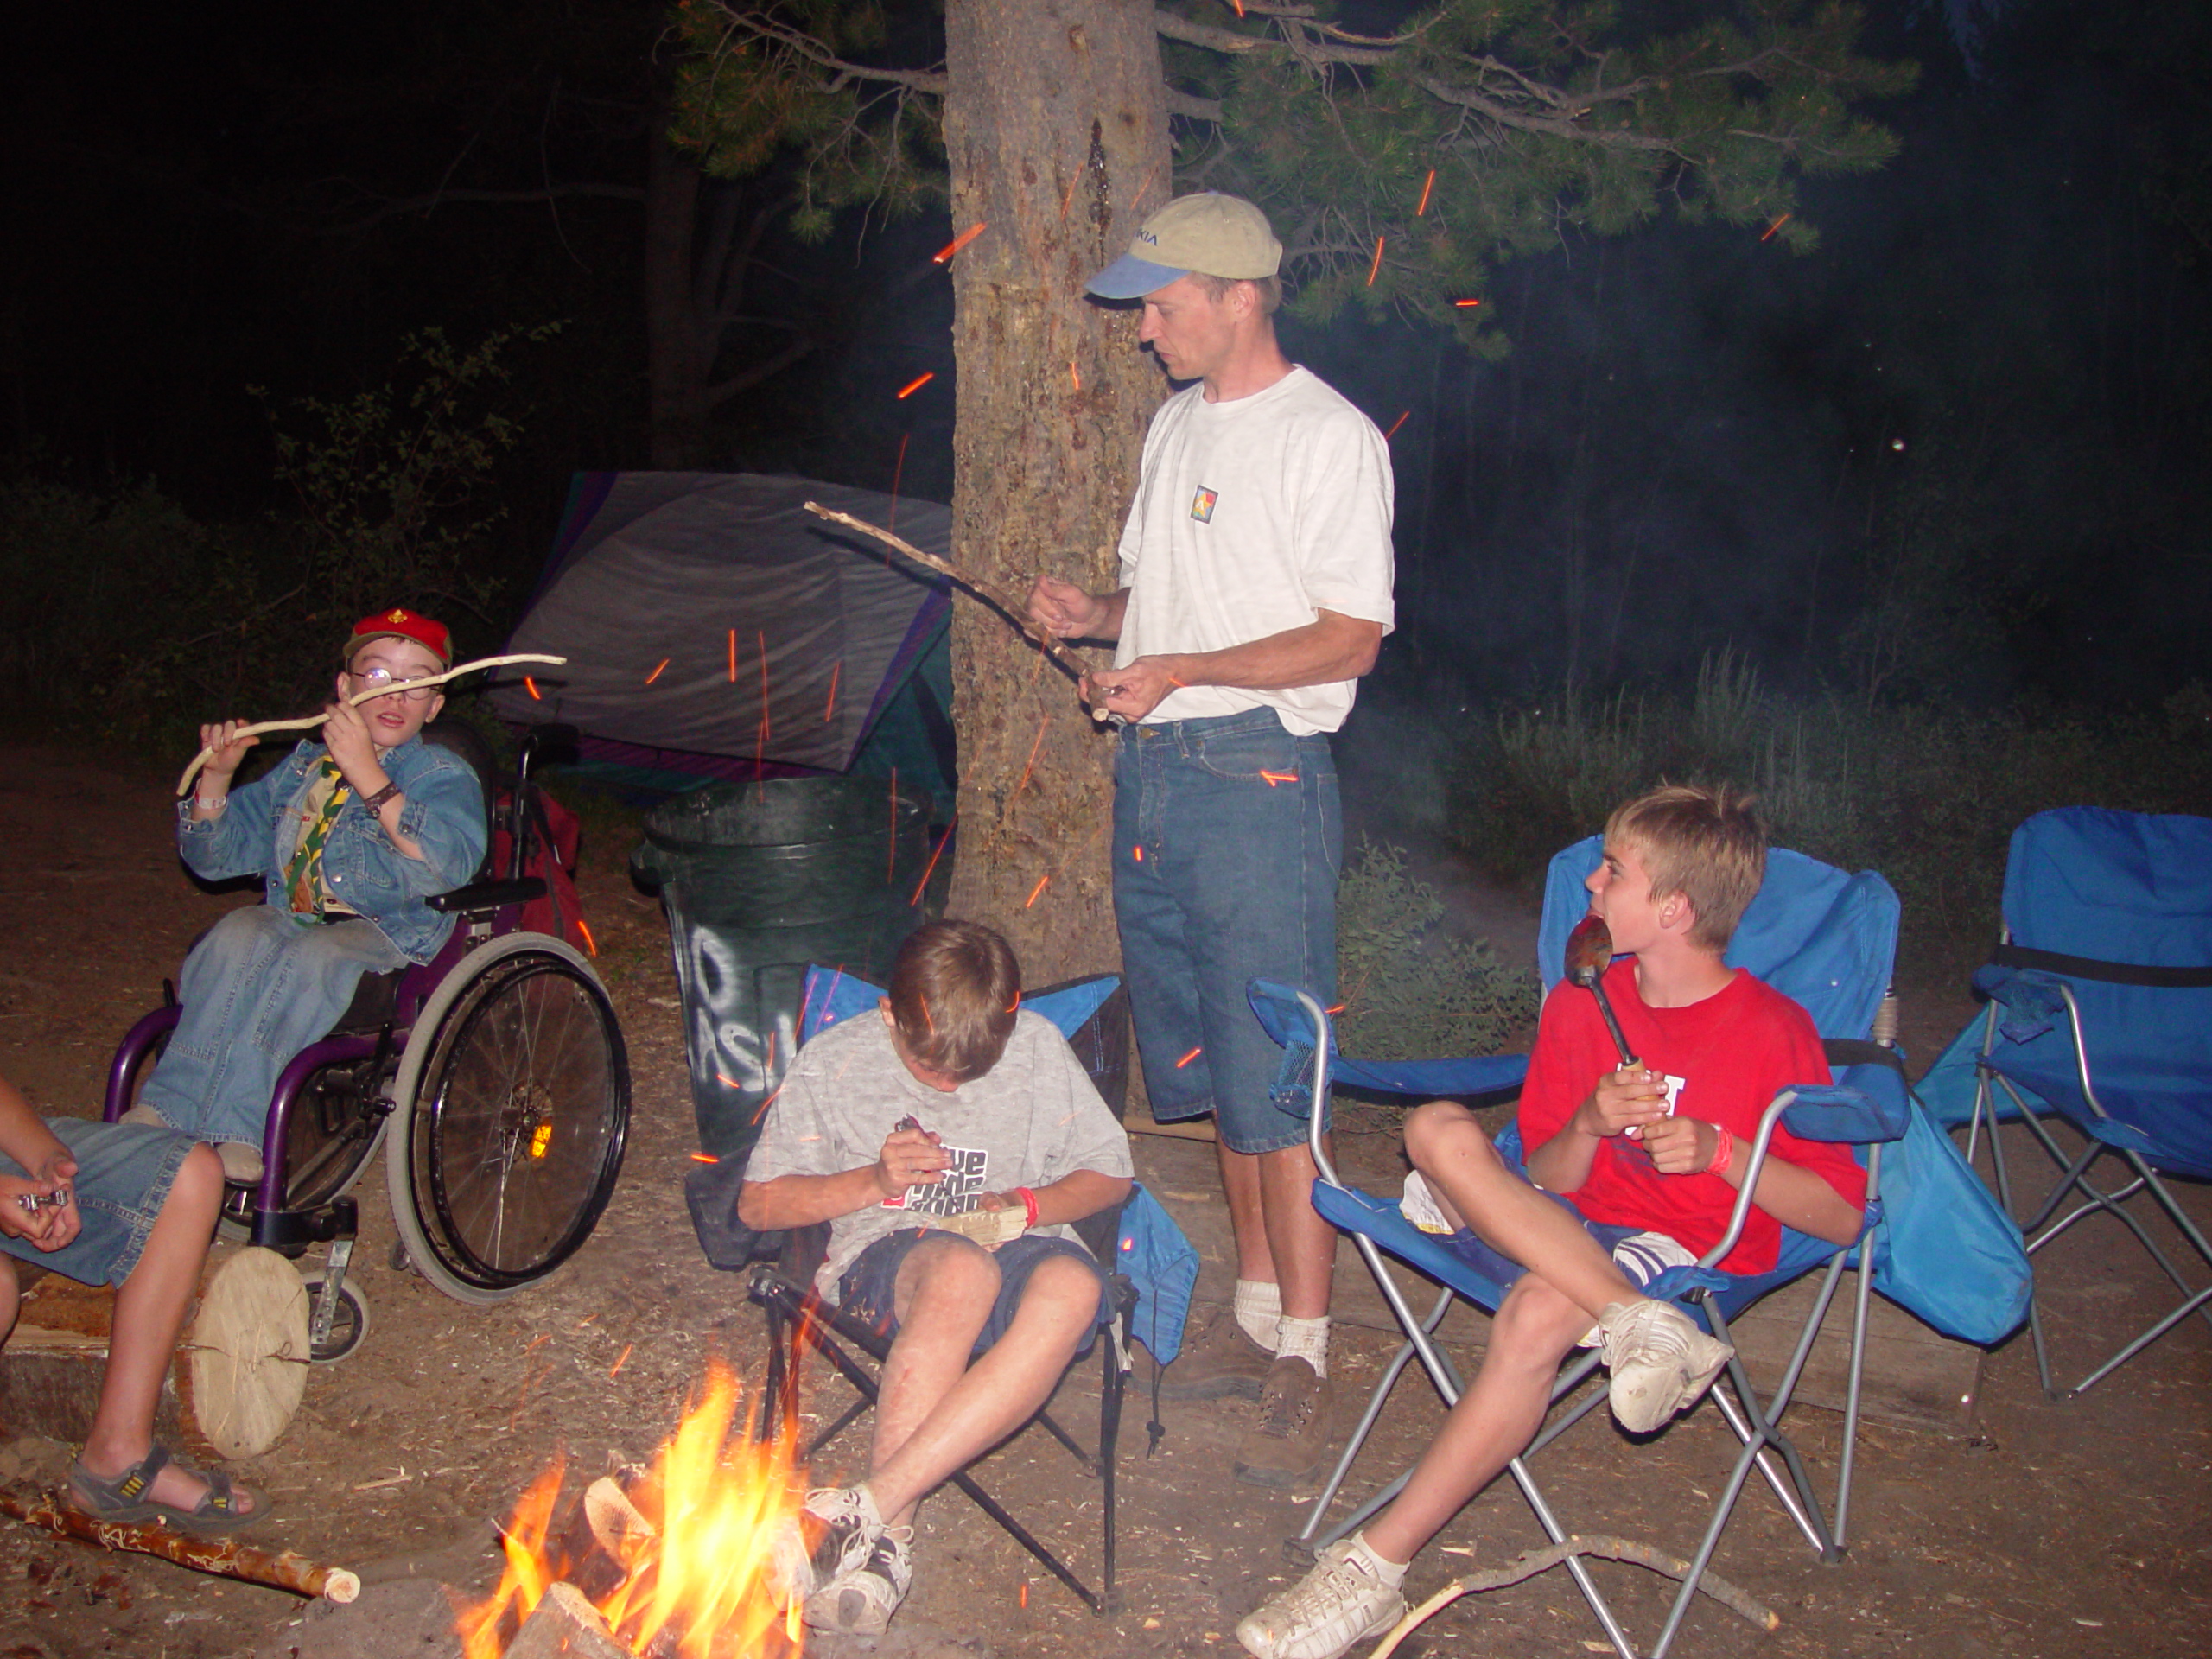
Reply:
x=997, y=598
x=314, y=720
x=280, y=1569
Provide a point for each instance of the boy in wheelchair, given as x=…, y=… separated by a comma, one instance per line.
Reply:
x=948, y=1145
x=1630, y=1169
x=352, y=835
x=132, y=1206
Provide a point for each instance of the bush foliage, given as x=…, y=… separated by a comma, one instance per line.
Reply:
x=1410, y=993
x=1927, y=794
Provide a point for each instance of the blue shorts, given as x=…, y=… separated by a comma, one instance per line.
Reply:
x=1228, y=839
x=1637, y=1264
x=123, y=1175
x=868, y=1290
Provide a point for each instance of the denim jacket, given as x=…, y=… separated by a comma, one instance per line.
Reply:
x=442, y=813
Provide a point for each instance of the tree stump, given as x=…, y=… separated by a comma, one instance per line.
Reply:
x=236, y=1382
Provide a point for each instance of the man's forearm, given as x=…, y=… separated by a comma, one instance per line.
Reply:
x=1330, y=648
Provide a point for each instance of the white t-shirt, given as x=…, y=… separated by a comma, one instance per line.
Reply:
x=1031, y=1119
x=1251, y=515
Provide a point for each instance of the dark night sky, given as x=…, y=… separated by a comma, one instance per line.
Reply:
x=1695, y=443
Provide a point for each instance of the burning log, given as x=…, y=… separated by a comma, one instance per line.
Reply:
x=565, y=1626
x=280, y=1569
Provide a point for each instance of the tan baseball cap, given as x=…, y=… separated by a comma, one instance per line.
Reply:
x=1209, y=233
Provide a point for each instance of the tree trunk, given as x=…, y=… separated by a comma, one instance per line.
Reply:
x=1056, y=130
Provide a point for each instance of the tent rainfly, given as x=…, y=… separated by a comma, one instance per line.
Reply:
x=713, y=626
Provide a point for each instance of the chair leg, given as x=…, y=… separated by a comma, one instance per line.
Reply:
x=1113, y=1379
x=1377, y=1399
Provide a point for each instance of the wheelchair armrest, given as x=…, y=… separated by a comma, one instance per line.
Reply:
x=488, y=895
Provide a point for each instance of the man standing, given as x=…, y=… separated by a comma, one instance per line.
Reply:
x=1256, y=573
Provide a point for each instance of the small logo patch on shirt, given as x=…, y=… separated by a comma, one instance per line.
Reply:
x=1202, y=505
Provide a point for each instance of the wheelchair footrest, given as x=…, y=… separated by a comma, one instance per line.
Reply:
x=292, y=1231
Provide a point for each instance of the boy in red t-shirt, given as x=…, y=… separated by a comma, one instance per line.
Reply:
x=1652, y=1156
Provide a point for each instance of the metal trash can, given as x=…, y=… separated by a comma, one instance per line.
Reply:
x=759, y=880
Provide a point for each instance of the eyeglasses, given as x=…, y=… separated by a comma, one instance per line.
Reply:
x=379, y=679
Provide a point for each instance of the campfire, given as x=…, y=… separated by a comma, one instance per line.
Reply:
x=668, y=1562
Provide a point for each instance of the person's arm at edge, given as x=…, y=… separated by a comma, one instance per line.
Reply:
x=1067, y=611
x=802, y=1200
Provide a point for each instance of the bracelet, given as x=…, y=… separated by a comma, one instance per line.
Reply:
x=1028, y=1204
x=1724, y=1155
x=375, y=804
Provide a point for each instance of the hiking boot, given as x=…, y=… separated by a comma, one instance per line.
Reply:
x=1290, y=1442
x=862, y=1602
x=1218, y=1361
x=1660, y=1360
x=1341, y=1602
x=829, y=1538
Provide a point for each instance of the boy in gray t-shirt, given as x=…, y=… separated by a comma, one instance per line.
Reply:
x=948, y=1145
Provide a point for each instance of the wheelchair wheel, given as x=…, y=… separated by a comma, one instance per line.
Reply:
x=513, y=1104
x=349, y=1322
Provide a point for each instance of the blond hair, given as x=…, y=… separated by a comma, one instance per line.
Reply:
x=954, y=990
x=1705, y=843
x=1268, y=288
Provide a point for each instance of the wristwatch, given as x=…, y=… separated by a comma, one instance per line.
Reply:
x=374, y=803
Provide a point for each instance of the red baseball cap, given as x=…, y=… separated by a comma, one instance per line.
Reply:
x=404, y=624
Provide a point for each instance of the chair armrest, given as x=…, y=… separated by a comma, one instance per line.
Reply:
x=2035, y=1000
x=488, y=895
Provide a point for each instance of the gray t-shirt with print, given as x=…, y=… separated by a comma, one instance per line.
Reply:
x=1032, y=1119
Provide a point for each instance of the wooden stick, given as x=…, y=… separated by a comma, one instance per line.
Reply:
x=314, y=720
x=1531, y=1562
x=997, y=598
x=280, y=1569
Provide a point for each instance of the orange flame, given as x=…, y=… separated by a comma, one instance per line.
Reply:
x=1188, y=1057
x=1776, y=225
x=530, y=686
x=1395, y=425
x=959, y=242
x=1466, y=305
x=1274, y=778
x=834, y=672
x=591, y=945
x=733, y=656
x=1039, y=888
x=916, y=385
x=898, y=472
x=655, y=675
x=1376, y=264
x=1428, y=185
x=697, y=1573
x=936, y=852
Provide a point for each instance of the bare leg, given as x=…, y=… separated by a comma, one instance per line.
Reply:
x=149, y=1310
x=937, y=1413
x=1449, y=1148
x=1300, y=1243
x=1497, y=1417
x=1240, y=1184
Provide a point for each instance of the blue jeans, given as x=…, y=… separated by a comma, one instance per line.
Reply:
x=1228, y=839
x=256, y=991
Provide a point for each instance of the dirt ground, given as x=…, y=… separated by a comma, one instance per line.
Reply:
x=2037, y=1528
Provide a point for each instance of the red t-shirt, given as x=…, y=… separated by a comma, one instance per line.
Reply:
x=1734, y=1052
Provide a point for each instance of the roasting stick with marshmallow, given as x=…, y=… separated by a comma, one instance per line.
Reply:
x=311, y=722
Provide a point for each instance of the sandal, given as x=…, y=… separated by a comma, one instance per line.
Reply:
x=122, y=1498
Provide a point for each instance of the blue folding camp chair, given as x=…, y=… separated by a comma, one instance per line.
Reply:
x=2101, y=1015
x=1153, y=1268
x=1824, y=938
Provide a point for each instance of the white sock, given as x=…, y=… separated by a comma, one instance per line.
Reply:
x=1258, y=1308
x=1391, y=1572
x=1306, y=1339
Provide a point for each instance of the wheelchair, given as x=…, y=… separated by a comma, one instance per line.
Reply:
x=495, y=1075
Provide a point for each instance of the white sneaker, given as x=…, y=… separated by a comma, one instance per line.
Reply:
x=1343, y=1600
x=862, y=1602
x=845, y=1525
x=1660, y=1360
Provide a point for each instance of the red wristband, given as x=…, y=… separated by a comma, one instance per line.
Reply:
x=1723, y=1155
x=1028, y=1204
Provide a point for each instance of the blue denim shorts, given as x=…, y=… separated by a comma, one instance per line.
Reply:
x=1228, y=839
x=868, y=1290
x=123, y=1175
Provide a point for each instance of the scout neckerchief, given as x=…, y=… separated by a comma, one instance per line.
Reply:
x=303, y=880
